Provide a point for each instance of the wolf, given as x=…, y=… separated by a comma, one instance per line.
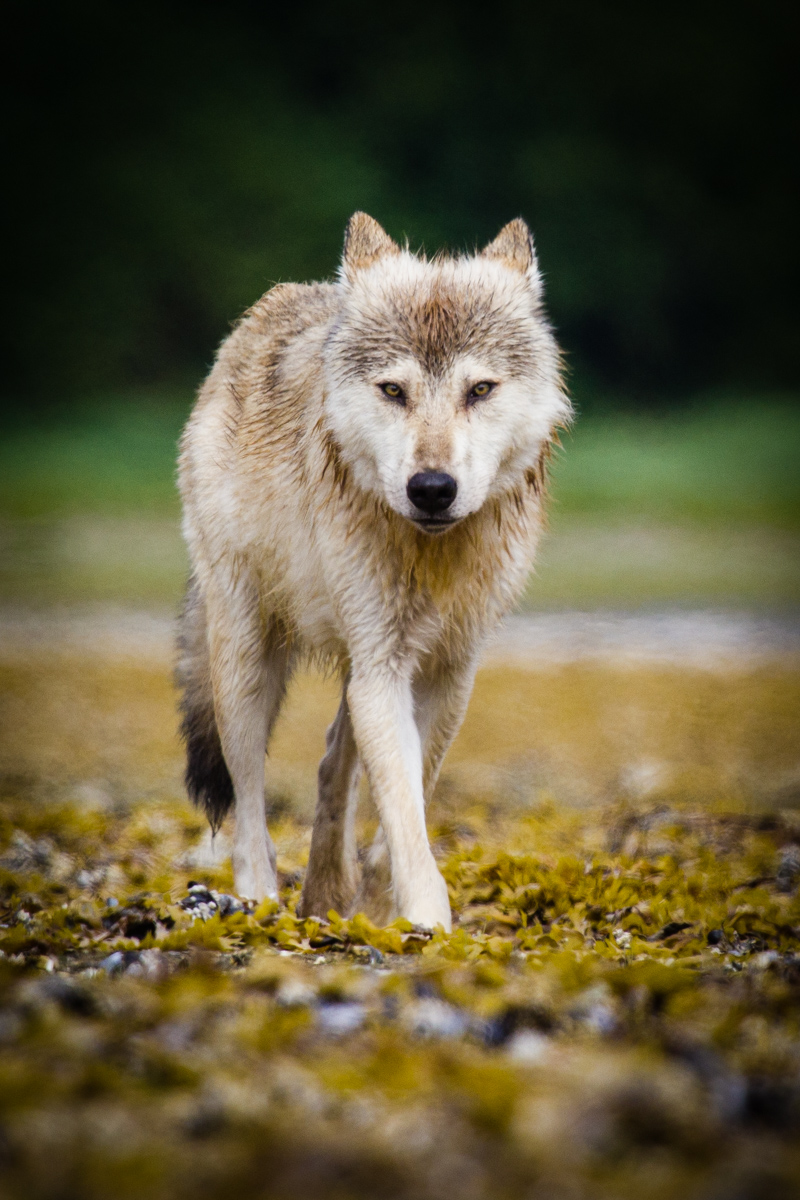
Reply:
x=363, y=484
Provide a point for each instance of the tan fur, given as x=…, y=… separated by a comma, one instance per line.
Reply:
x=304, y=543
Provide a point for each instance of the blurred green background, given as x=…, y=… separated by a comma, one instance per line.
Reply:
x=169, y=162
x=697, y=507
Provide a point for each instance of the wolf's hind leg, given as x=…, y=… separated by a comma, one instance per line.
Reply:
x=332, y=874
x=441, y=696
x=374, y=896
x=249, y=673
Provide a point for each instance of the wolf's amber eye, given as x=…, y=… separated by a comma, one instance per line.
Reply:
x=480, y=390
x=394, y=392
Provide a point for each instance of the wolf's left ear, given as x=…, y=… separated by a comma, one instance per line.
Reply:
x=514, y=247
x=365, y=241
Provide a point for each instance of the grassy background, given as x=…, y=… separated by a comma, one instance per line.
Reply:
x=700, y=505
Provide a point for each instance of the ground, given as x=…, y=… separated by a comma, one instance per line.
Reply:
x=615, y=1014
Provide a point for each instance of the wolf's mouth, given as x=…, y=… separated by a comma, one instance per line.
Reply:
x=434, y=524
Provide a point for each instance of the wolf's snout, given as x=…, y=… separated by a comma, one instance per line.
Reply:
x=432, y=491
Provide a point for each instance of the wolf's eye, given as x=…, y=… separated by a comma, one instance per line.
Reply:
x=480, y=390
x=394, y=392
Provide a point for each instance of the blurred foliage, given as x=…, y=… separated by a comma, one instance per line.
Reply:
x=698, y=505
x=729, y=461
x=171, y=161
x=116, y=455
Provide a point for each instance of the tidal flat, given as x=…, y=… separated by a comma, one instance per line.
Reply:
x=616, y=1013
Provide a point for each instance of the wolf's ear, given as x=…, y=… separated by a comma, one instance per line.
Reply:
x=514, y=247
x=365, y=241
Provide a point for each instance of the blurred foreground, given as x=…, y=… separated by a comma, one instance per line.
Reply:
x=616, y=1014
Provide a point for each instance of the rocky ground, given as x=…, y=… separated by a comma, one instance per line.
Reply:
x=616, y=1013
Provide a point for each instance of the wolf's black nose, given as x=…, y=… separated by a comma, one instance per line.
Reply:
x=432, y=491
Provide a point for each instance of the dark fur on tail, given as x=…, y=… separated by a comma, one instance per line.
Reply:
x=208, y=780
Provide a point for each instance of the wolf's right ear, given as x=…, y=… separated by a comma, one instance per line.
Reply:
x=365, y=241
x=514, y=247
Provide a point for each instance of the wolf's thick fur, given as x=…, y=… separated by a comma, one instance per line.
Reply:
x=327, y=406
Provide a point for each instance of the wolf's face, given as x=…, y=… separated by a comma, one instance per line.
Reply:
x=442, y=377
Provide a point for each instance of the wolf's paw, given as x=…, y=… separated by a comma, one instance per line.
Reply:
x=255, y=878
x=319, y=895
x=430, y=904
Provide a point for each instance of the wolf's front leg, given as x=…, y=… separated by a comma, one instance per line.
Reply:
x=248, y=676
x=382, y=711
x=441, y=695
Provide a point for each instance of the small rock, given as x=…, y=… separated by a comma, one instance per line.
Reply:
x=595, y=1011
x=114, y=964
x=91, y=879
x=528, y=1046
x=202, y=893
x=371, y=954
x=201, y=902
x=434, y=1018
x=148, y=964
x=343, y=1018
x=228, y=904
x=760, y=962
x=25, y=854
x=292, y=993
x=788, y=873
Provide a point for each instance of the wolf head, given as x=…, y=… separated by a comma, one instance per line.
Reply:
x=442, y=376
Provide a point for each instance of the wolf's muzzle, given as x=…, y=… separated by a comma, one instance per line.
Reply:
x=432, y=492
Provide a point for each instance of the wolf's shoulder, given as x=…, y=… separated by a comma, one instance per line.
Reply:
x=281, y=320
x=288, y=309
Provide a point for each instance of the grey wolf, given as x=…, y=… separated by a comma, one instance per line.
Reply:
x=363, y=485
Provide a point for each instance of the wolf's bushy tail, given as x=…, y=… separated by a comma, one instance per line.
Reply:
x=208, y=780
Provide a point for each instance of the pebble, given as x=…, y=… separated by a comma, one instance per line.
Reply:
x=292, y=993
x=148, y=964
x=788, y=874
x=340, y=1019
x=528, y=1046
x=760, y=962
x=433, y=1018
x=204, y=903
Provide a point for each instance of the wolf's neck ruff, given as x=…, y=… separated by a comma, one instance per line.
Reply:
x=364, y=472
